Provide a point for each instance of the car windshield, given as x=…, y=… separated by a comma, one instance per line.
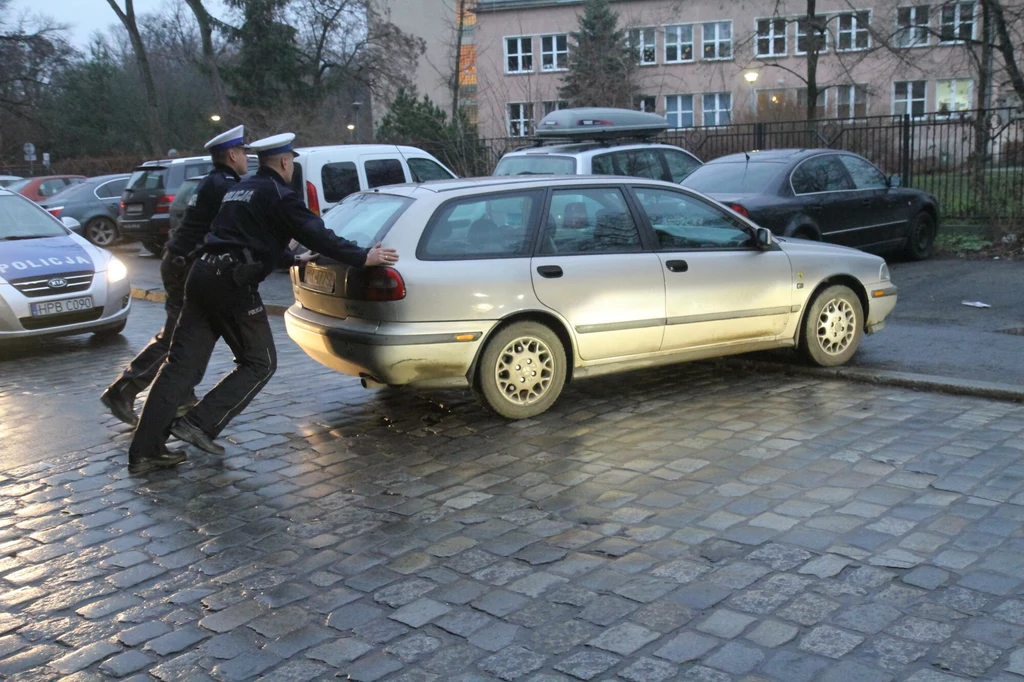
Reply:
x=732, y=178
x=148, y=178
x=366, y=218
x=536, y=164
x=21, y=219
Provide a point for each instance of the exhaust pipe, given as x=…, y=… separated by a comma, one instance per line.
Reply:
x=369, y=382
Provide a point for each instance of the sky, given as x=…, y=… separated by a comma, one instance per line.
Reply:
x=88, y=16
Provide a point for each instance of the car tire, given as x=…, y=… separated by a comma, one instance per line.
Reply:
x=921, y=237
x=111, y=332
x=155, y=248
x=833, y=328
x=100, y=232
x=522, y=370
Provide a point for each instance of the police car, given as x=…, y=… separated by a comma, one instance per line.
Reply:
x=53, y=282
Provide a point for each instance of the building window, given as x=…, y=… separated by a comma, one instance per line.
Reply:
x=771, y=38
x=851, y=101
x=854, y=31
x=519, y=55
x=912, y=26
x=767, y=100
x=679, y=111
x=957, y=22
x=553, y=105
x=520, y=119
x=821, y=110
x=716, y=40
x=953, y=95
x=717, y=108
x=807, y=37
x=643, y=40
x=679, y=44
x=554, y=53
x=908, y=98
x=648, y=103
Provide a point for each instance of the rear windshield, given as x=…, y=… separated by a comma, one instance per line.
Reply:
x=732, y=178
x=21, y=219
x=72, y=193
x=366, y=218
x=148, y=178
x=19, y=185
x=536, y=164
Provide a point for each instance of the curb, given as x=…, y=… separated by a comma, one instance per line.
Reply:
x=160, y=296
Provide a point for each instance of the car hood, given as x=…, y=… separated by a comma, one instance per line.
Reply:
x=795, y=246
x=47, y=256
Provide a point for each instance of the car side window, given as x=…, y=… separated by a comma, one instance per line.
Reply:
x=679, y=164
x=640, y=163
x=865, y=176
x=109, y=190
x=47, y=188
x=681, y=221
x=589, y=221
x=490, y=226
x=424, y=169
x=195, y=170
x=603, y=164
x=380, y=172
x=820, y=174
x=339, y=179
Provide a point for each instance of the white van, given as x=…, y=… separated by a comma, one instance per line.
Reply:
x=326, y=175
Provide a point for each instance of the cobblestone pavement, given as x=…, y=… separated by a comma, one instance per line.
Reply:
x=692, y=523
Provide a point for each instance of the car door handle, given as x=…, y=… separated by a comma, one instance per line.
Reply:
x=549, y=271
x=677, y=266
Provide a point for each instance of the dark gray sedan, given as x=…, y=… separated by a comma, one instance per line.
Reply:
x=95, y=204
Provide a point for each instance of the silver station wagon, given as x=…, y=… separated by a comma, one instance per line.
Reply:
x=514, y=286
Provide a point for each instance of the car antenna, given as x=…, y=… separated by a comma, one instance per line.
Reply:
x=413, y=173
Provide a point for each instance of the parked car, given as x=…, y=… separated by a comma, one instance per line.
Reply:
x=42, y=187
x=601, y=141
x=181, y=199
x=824, y=195
x=6, y=180
x=326, y=175
x=513, y=286
x=52, y=281
x=94, y=204
x=146, y=201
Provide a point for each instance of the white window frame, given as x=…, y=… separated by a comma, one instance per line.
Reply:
x=679, y=43
x=921, y=33
x=953, y=82
x=554, y=52
x=771, y=37
x=822, y=94
x=678, y=111
x=856, y=28
x=716, y=40
x=642, y=33
x=911, y=99
x=796, y=43
x=520, y=55
x=851, y=99
x=551, y=105
x=717, y=110
x=525, y=119
x=958, y=19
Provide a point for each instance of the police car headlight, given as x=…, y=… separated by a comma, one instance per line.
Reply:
x=116, y=270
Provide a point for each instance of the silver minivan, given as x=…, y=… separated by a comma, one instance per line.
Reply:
x=513, y=286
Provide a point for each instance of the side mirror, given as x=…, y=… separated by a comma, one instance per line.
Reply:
x=895, y=181
x=71, y=224
x=764, y=238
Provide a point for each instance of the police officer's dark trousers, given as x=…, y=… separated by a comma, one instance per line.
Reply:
x=215, y=307
x=142, y=370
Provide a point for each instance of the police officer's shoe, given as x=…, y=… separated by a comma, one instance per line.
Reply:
x=165, y=458
x=119, y=406
x=190, y=433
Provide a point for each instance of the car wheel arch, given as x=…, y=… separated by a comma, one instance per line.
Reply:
x=549, y=319
x=849, y=281
x=803, y=226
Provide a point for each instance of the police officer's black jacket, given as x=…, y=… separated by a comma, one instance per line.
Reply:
x=262, y=214
x=202, y=208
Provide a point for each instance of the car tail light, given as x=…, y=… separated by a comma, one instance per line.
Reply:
x=163, y=204
x=55, y=211
x=312, y=199
x=379, y=284
x=122, y=209
x=741, y=209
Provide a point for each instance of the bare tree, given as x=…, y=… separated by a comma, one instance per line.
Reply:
x=128, y=19
x=206, y=25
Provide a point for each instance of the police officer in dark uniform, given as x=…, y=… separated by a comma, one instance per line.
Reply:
x=249, y=238
x=229, y=163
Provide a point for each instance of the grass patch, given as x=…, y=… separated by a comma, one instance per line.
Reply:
x=959, y=196
x=960, y=242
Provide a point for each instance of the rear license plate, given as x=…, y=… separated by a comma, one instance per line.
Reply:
x=319, y=279
x=133, y=209
x=131, y=227
x=67, y=305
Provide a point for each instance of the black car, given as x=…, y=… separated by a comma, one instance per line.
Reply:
x=181, y=199
x=95, y=204
x=825, y=195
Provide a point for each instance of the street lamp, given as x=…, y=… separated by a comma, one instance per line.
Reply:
x=351, y=132
x=215, y=118
x=751, y=77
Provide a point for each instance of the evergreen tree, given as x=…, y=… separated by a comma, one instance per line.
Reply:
x=602, y=66
x=421, y=123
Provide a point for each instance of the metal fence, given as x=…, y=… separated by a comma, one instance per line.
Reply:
x=972, y=161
